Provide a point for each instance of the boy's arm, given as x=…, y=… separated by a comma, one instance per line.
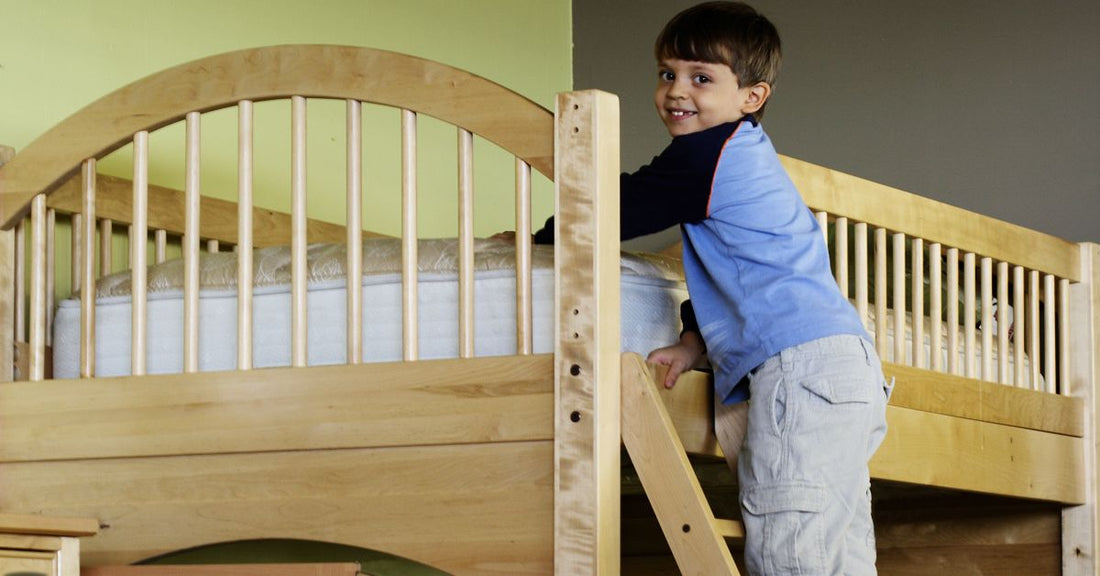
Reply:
x=672, y=189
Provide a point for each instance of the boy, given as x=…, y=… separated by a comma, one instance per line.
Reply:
x=771, y=320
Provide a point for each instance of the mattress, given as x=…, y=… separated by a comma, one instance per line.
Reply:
x=652, y=290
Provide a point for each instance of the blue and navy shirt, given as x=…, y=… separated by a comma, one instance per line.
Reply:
x=755, y=260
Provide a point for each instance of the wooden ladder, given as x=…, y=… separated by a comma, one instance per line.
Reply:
x=696, y=537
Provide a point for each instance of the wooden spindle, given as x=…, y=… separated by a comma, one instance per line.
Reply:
x=106, y=247
x=1019, y=333
x=1063, y=338
x=953, y=311
x=524, y=291
x=1002, y=323
x=299, y=351
x=51, y=263
x=899, y=298
x=244, y=233
x=465, y=244
x=354, y=266
x=935, y=306
x=192, y=201
x=160, y=245
x=77, y=259
x=862, y=298
x=37, y=336
x=409, y=254
x=969, y=312
x=87, y=272
x=1033, y=329
x=21, y=283
x=823, y=224
x=1050, y=350
x=987, y=319
x=917, y=300
x=138, y=275
x=841, y=227
x=880, y=291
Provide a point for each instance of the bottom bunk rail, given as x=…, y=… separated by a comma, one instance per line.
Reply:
x=973, y=478
x=448, y=463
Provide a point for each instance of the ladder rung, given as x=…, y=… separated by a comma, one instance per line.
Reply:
x=731, y=529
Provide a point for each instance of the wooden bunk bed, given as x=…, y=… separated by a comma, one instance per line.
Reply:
x=511, y=464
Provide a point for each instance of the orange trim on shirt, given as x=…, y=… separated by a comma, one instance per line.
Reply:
x=720, y=154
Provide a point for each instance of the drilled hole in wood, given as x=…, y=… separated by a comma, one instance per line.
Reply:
x=575, y=416
x=686, y=528
x=575, y=370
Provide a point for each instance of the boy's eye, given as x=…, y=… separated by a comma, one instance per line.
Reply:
x=701, y=79
x=666, y=75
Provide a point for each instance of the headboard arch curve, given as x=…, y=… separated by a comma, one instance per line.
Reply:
x=455, y=96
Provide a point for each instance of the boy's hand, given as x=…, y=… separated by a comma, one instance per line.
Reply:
x=507, y=236
x=685, y=355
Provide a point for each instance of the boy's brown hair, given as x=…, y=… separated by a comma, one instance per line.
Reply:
x=730, y=33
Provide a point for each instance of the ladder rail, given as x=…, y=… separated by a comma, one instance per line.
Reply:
x=696, y=538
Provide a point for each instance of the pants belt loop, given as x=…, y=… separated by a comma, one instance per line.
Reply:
x=786, y=359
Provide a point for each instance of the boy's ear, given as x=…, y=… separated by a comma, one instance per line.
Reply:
x=757, y=96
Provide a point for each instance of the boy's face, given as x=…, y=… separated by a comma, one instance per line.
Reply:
x=693, y=96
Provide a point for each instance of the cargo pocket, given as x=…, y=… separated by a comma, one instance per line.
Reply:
x=841, y=391
x=791, y=537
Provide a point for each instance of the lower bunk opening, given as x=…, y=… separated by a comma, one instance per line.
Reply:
x=311, y=556
x=920, y=530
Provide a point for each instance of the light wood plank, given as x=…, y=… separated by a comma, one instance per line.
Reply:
x=492, y=504
x=954, y=449
x=937, y=450
x=34, y=524
x=367, y=405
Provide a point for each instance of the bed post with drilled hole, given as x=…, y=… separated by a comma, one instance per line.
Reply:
x=586, y=472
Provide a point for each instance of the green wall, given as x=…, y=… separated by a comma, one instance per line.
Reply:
x=57, y=56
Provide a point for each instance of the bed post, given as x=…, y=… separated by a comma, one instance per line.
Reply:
x=7, y=291
x=586, y=369
x=1080, y=525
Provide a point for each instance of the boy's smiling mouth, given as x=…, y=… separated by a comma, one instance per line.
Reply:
x=680, y=114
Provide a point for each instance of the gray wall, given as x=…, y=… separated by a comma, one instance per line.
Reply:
x=993, y=106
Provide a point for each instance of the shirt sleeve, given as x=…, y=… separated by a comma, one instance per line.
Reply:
x=672, y=189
